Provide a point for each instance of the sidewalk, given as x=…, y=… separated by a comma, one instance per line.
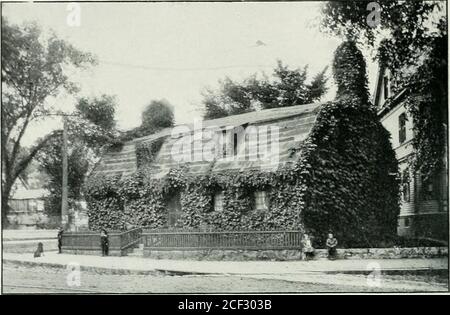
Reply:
x=145, y=265
x=318, y=272
x=34, y=235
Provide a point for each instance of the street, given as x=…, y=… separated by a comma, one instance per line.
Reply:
x=38, y=279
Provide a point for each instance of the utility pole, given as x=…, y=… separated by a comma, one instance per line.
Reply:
x=64, y=204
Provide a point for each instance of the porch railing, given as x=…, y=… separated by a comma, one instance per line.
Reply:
x=233, y=240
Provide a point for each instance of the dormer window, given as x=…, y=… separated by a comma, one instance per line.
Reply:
x=230, y=139
x=224, y=142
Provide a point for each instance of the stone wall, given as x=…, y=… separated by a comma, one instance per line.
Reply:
x=287, y=255
x=94, y=252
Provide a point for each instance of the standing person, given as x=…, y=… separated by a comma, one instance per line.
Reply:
x=104, y=242
x=308, y=249
x=331, y=246
x=60, y=234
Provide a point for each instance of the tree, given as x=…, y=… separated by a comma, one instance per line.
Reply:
x=427, y=101
x=406, y=26
x=157, y=115
x=34, y=68
x=93, y=121
x=287, y=88
x=90, y=127
x=411, y=40
x=231, y=99
x=50, y=163
x=98, y=110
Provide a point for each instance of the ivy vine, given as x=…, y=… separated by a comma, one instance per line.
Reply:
x=340, y=180
x=147, y=151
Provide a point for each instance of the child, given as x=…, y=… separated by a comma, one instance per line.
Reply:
x=60, y=234
x=308, y=249
x=331, y=246
x=39, y=251
x=104, y=242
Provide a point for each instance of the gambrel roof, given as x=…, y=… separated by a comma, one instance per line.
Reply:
x=293, y=125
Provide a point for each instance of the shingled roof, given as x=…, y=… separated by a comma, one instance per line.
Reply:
x=294, y=123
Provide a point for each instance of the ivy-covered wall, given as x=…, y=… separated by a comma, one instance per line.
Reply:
x=342, y=180
x=353, y=188
x=140, y=201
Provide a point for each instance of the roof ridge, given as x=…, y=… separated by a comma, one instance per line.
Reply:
x=210, y=122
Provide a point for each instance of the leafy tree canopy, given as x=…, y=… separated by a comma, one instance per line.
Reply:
x=89, y=129
x=94, y=121
x=426, y=99
x=100, y=111
x=406, y=26
x=34, y=67
x=411, y=40
x=50, y=163
x=157, y=115
x=288, y=87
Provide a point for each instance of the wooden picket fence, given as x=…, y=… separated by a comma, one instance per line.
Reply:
x=232, y=240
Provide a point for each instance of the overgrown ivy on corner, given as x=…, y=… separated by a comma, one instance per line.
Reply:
x=353, y=190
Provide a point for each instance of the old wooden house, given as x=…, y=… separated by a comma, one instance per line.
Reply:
x=261, y=141
x=274, y=169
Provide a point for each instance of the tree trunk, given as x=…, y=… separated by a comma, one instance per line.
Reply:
x=6, y=190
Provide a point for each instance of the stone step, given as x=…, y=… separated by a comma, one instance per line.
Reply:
x=137, y=251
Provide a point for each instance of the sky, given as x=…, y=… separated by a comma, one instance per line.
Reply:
x=172, y=51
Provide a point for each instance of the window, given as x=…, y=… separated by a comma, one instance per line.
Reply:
x=231, y=139
x=218, y=201
x=402, y=128
x=406, y=222
x=224, y=143
x=406, y=186
x=40, y=205
x=428, y=188
x=19, y=205
x=386, y=87
x=32, y=205
x=392, y=82
x=173, y=210
x=235, y=143
x=264, y=142
x=261, y=201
